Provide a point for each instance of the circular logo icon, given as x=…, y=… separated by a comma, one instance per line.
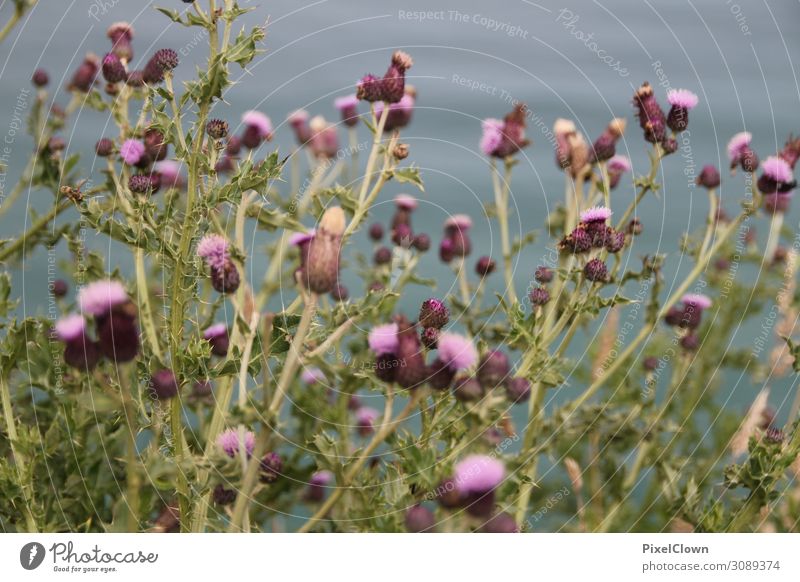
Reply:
x=31, y=555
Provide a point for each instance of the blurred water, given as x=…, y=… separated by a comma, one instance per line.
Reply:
x=472, y=59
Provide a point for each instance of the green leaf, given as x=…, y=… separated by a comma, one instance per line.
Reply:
x=409, y=175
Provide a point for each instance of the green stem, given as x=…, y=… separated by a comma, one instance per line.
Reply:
x=38, y=224
x=20, y=462
x=501, y=190
x=388, y=426
x=132, y=476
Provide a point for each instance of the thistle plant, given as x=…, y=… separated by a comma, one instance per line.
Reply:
x=194, y=394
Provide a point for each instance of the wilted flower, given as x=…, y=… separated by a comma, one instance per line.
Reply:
x=321, y=271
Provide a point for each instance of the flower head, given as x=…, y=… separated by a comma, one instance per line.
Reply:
x=297, y=239
x=478, y=474
x=777, y=169
x=99, y=297
x=70, y=327
x=682, y=98
x=260, y=121
x=213, y=248
x=596, y=214
x=738, y=144
x=312, y=375
x=348, y=108
x=229, y=442
x=619, y=164
x=383, y=339
x=492, y=135
x=696, y=300
x=456, y=351
x=405, y=202
x=131, y=151
x=321, y=478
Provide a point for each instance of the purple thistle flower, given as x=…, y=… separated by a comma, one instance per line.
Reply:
x=132, y=151
x=99, y=297
x=492, y=136
x=433, y=313
x=478, y=474
x=539, y=296
x=260, y=122
x=651, y=116
x=493, y=369
x=312, y=375
x=365, y=420
x=485, y=266
x=217, y=336
x=740, y=153
x=457, y=351
x=113, y=69
x=163, y=385
x=518, y=390
x=419, y=519
x=596, y=271
x=777, y=169
x=400, y=113
x=70, y=327
x=406, y=202
x=369, y=89
x=84, y=76
x=348, y=108
x=697, y=300
x=229, y=442
x=596, y=214
x=383, y=339
x=709, y=177
x=682, y=98
x=619, y=164
x=213, y=249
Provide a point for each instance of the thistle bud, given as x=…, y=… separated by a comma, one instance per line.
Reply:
x=40, y=78
x=104, y=147
x=321, y=272
x=493, y=369
x=518, y=390
x=393, y=82
x=433, y=313
x=163, y=385
x=217, y=336
x=270, y=468
x=709, y=177
x=382, y=256
x=369, y=89
x=348, y=108
x=596, y=271
x=113, y=69
x=421, y=242
x=539, y=296
x=121, y=35
x=543, y=274
x=419, y=519
x=376, y=231
x=651, y=116
x=429, y=337
x=467, y=389
x=412, y=370
x=485, y=266
x=84, y=76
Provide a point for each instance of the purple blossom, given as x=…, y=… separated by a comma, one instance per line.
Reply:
x=228, y=441
x=777, y=169
x=682, y=98
x=383, y=339
x=99, y=297
x=260, y=121
x=213, y=248
x=619, y=164
x=131, y=151
x=312, y=375
x=596, y=214
x=70, y=327
x=478, y=474
x=456, y=351
x=696, y=300
x=738, y=145
x=492, y=135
